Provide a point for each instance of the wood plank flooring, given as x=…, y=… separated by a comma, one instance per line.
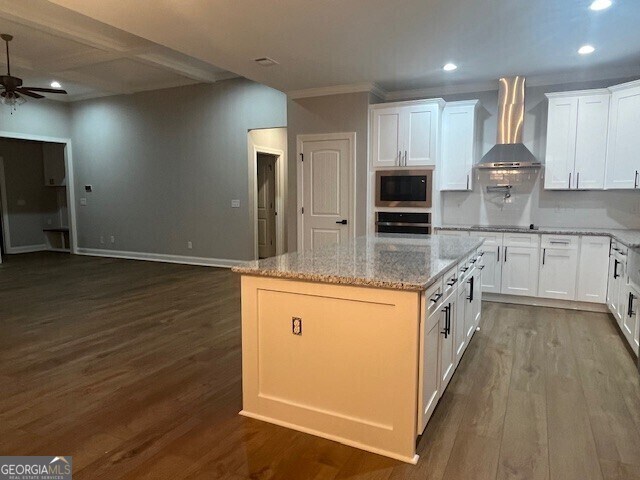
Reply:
x=133, y=368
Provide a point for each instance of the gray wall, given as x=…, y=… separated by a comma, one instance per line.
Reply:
x=38, y=117
x=329, y=114
x=165, y=165
x=29, y=202
x=530, y=203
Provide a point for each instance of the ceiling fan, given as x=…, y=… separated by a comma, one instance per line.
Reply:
x=13, y=92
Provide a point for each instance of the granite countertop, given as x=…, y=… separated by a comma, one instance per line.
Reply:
x=400, y=262
x=630, y=238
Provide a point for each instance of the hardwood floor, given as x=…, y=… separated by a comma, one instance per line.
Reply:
x=133, y=368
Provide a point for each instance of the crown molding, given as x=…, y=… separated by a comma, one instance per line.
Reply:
x=338, y=90
x=578, y=93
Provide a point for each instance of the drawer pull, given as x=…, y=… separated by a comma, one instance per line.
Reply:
x=437, y=297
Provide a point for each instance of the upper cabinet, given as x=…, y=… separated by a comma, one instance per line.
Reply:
x=458, y=149
x=623, y=161
x=405, y=134
x=53, y=164
x=576, y=140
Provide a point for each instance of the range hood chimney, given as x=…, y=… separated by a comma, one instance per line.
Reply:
x=509, y=152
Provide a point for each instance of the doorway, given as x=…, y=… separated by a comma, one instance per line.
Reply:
x=266, y=204
x=326, y=189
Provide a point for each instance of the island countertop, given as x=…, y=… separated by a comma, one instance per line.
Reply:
x=401, y=262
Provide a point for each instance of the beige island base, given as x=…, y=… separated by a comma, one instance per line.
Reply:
x=357, y=342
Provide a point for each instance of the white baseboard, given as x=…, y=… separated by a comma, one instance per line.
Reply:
x=160, y=257
x=545, y=302
x=26, y=249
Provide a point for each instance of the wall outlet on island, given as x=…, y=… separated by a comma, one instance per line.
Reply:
x=189, y=245
x=235, y=203
x=101, y=239
x=113, y=239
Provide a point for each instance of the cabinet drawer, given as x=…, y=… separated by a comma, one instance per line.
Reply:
x=619, y=248
x=454, y=233
x=560, y=241
x=434, y=296
x=521, y=240
x=490, y=239
x=450, y=281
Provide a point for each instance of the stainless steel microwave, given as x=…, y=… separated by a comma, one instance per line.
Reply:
x=404, y=188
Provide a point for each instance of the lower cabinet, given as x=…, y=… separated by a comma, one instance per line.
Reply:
x=558, y=267
x=447, y=342
x=459, y=331
x=492, y=261
x=476, y=301
x=520, y=270
x=594, y=260
x=630, y=316
x=430, y=378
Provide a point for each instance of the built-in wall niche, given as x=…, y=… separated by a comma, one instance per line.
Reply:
x=56, y=216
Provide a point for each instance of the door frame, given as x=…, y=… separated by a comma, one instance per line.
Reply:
x=253, y=198
x=300, y=139
x=68, y=165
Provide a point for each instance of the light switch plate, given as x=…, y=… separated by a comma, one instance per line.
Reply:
x=235, y=203
x=83, y=201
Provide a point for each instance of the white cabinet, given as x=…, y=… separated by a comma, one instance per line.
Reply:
x=447, y=346
x=576, y=140
x=593, y=262
x=459, y=143
x=405, y=134
x=453, y=233
x=459, y=332
x=629, y=324
x=476, y=301
x=520, y=264
x=558, y=267
x=491, y=261
x=623, y=161
x=613, y=287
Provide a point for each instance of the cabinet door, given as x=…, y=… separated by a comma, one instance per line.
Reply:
x=629, y=316
x=621, y=292
x=458, y=147
x=420, y=133
x=612, y=285
x=477, y=297
x=447, y=346
x=591, y=141
x=558, y=273
x=469, y=314
x=623, y=162
x=459, y=331
x=386, y=137
x=593, y=268
x=430, y=369
x=561, y=143
x=520, y=271
x=454, y=233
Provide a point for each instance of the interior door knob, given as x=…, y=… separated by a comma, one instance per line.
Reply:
x=341, y=222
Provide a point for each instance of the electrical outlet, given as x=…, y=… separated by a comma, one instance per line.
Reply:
x=189, y=245
x=113, y=239
x=101, y=239
x=83, y=201
x=235, y=203
x=296, y=325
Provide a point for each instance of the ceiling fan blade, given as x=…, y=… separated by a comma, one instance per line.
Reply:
x=26, y=92
x=46, y=90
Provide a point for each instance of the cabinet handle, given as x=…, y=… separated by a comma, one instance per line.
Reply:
x=505, y=254
x=559, y=242
x=615, y=268
x=405, y=158
x=437, y=297
x=635, y=180
x=445, y=310
x=569, y=179
x=470, y=297
x=578, y=181
x=630, y=305
x=399, y=158
x=544, y=255
x=498, y=257
x=449, y=320
x=467, y=182
x=452, y=282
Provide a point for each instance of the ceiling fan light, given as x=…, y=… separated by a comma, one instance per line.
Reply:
x=11, y=99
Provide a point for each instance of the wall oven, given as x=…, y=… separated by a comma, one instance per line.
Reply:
x=396, y=222
x=404, y=188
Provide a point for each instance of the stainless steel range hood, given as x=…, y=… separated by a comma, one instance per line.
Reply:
x=509, y=151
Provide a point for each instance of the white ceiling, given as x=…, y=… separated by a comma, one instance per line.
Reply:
x=397, y=44
x=89, y=58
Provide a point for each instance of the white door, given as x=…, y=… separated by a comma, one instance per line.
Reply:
x=593, y=267
x=266, y=200
x=386, y=137
x=558, y=273
x=420, y=134
x=447, y=347
x=520, y=270
x=458, y=146
x=623, y=163
x=561, y=143
x=326, y=191
x=591, y=141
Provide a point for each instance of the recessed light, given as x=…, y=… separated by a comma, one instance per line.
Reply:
x=265, y=61
x=450, y=67
x=55, y=84
x=586, y=50
x=600, y=5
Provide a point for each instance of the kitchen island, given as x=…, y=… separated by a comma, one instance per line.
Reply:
x=356, y=342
